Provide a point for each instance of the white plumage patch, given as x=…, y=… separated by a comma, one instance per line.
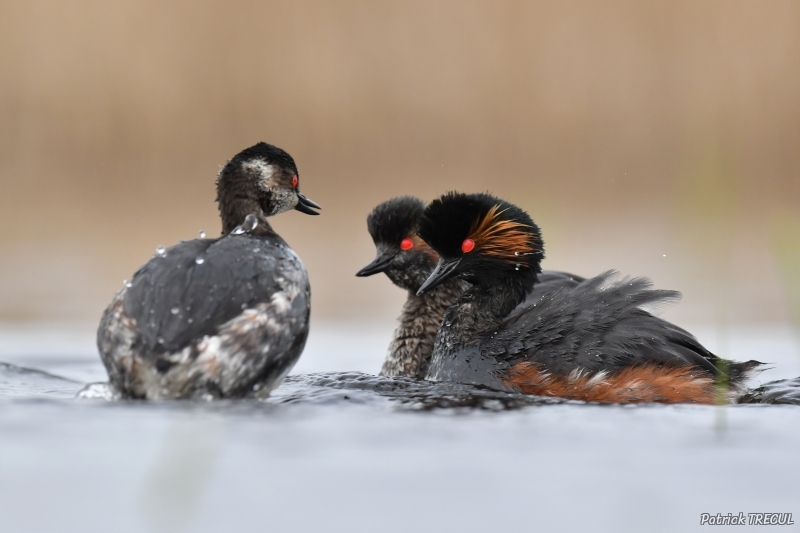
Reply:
x=265, y=171
x=597, y=379
x=284, y=198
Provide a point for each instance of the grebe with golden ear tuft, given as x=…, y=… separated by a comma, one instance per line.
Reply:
x=591, y=342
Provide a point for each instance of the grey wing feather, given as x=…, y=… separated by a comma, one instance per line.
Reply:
x=263, y=344
x=549, y=281
x=598, y=324
x=175, y=298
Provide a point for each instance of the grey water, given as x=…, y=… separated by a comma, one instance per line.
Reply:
x=336, y=448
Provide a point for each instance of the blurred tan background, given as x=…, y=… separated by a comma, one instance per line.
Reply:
x=657, y=138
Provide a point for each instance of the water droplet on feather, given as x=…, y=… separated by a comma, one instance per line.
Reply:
x=160, y=250
x=202, y=234
x=250, y=223
x=199, y=260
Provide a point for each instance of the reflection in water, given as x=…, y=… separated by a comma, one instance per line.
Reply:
x=173, y=491
x=782, y=391
x=344, y=451
x=343, y=388
x=410, y=394
x=402, y=393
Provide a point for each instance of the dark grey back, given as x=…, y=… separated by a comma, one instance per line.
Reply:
x=596, y=325
x=198, y=285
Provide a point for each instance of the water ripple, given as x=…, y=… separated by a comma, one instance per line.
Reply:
x=354, y=388
x=18, y=381
x=782, y=391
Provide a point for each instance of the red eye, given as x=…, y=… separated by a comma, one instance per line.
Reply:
x=295, y=180
x=406, y=244
x=467, y=245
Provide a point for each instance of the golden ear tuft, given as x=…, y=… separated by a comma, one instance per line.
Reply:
x=422, y=246
x=504, y=239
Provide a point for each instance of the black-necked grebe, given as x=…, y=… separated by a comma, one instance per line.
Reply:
x=217, y=318
x=593, y=342
x=407, y=261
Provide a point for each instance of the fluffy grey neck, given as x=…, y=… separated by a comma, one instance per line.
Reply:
x=410, y=350
x=233, y=213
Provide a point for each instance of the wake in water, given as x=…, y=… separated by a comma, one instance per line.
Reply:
x=782, y=391
x=17, y=381
x=354, y=388
x=405, y=393
x=411, y=394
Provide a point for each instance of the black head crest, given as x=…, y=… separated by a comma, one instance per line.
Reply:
x=481, y=225
x=268, y=153
x=395, y=219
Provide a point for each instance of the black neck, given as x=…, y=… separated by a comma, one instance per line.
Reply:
x=234, y=210
x=484, y=306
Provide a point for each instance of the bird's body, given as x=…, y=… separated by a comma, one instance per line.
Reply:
x=592, y=341
x=411, y=346
x=214, y=327
x=225, y=317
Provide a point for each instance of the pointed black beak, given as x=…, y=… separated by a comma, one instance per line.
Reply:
x=444, y=269
x=304, y=205
x=379, y=264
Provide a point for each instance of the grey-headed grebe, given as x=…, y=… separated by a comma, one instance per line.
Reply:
x=591, y=342
x=217, y=318
x=407, y=261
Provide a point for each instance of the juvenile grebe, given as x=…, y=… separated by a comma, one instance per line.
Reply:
x=407, y=261
x=593, y=342
x=217, y=318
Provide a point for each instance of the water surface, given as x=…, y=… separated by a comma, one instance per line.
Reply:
x=337, y=449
